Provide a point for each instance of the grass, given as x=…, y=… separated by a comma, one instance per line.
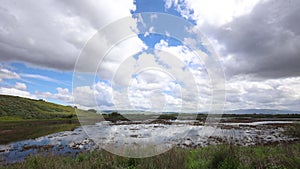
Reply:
x=23, y=118
x=25, y=108
x=11, y=131
x=15, y=128
x=293, y=130
x=219, y=157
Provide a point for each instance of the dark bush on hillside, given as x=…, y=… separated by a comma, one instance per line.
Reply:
x=114, y=117
x=92, y=110
x=168, y=116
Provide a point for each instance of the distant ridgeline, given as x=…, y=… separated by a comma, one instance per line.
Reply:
x=33, y=109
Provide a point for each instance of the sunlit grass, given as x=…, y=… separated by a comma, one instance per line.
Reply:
x=221, y=156
x=25, y=108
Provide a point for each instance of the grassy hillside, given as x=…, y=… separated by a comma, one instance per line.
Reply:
x=23, y=118
x=24, y=108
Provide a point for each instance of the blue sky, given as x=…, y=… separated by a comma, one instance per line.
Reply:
x=218, y=43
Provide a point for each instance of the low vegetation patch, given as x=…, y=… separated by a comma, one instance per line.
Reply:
x=172, y=116
x=114, y=116
x=293, y=130
x=212, y=157
x=11, y=131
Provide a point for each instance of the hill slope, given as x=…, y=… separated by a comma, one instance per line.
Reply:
x=33, y=109
x=261, y=111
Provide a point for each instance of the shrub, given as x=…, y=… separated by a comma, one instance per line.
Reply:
x=225, y=157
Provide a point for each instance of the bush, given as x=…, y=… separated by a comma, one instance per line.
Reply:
x=114, y=117
x=168, y=116
x=294, y=130
x=225, y=158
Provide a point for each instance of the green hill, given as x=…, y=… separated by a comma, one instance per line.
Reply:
x=19, y=107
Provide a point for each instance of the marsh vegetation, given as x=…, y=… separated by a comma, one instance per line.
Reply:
x=274, y=138
x=213, y=157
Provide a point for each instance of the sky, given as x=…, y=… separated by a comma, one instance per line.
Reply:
x=158, y=55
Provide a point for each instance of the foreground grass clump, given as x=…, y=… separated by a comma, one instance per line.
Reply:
x=293, y=130
x=220, y=157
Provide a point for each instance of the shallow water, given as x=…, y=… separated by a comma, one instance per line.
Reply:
x=180, y=133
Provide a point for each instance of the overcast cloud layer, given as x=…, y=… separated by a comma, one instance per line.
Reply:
x=258, y=38
x=265, y=43
x=52, y=33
